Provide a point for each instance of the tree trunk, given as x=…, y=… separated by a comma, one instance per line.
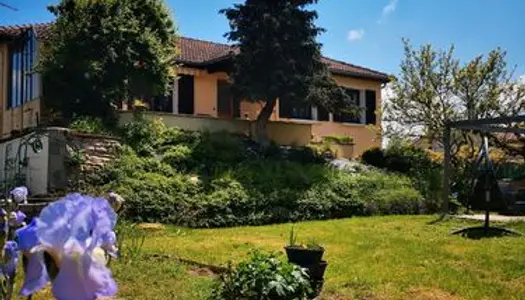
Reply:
x=261, y=124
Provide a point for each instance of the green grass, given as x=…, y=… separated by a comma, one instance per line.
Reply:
x=397, y=257
x=377, y=257
x=151, y=279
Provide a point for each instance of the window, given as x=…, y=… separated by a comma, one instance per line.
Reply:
x=370, y=97
x=294, y=110
x=348, y=117
x=23, y=80
x=162, y=103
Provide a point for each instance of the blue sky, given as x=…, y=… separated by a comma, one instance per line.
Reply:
x=366, y=33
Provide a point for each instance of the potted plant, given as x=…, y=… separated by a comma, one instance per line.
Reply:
x=304, y=255
x=310, y=257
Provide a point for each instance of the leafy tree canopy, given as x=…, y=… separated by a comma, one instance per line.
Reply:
x=99, y=53
x=433, y=87
x=279, y=56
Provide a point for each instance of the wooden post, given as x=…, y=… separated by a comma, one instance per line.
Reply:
x=446, y=171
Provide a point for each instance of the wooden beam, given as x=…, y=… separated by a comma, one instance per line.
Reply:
x=492, y=129
x=446, y=172
x=502, y=120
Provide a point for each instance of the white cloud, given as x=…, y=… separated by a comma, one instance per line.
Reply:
x=355, y=34
x=389, y=9
x=522, y=78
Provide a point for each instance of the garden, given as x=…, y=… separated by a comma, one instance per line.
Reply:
x=213, y=216
x=406, y=257
x=179, y=214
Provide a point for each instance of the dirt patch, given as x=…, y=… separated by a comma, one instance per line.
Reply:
x=201, y=272
x=430, y=294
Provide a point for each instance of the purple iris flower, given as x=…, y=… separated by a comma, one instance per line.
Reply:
x=16, y=218
x=19, y=194
x=36, y=276
x=73, y=231
x=11, y=258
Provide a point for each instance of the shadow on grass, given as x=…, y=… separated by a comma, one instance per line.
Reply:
x=481, y=232
x=441, y=219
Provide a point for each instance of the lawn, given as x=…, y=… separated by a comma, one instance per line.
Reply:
x=395, y=257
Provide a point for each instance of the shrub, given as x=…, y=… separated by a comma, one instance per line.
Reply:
x=140, y=134
x=218, y=149
x=339, y=139
x=209, y=179
x=89, y=125
x=374, y=157
x=414, y=162
x=253, y=193
x=179, y=157
x=263, y=277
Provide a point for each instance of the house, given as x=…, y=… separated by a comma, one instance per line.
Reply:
x=200, y=95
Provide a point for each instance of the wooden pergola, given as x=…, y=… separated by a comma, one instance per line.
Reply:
x=489, y=125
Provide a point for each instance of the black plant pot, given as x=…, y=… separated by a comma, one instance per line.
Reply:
x=317, y=287
x=316, y=271
x=304, y=257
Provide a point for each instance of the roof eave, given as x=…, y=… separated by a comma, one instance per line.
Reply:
x=381, y=78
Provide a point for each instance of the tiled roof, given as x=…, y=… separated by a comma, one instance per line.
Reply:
x=202, y=52
x=15, y=30
x=199, y=52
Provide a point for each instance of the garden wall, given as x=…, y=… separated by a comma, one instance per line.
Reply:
x=282, y=132
x=50, y=170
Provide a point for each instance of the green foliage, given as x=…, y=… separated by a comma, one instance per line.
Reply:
x=401, y=157
x=339, y=139
x=264, y=277
x=279, y=56
x=434, y=87
x=220, y=179
x=374, y=157
x=130, y=240
x=89, y=125
x=98, y=53
x=256, y=193
x=142, y=134
x=179, y=157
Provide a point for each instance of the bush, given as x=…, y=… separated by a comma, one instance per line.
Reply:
x=141, y=134
x=263, y=277
x=253, y=193
x=416, y=163
x=208, y=179
x=374, y=157
x=179, y=157
x=89, y=125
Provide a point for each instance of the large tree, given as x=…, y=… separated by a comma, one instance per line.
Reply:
x=99, y=53
x=279, y=57
x=434, y=87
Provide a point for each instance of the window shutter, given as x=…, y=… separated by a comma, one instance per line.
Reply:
x=370, y=97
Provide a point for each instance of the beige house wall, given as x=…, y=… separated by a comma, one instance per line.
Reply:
x=365, y=136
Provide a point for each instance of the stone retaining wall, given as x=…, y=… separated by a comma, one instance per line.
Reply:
x=75, y=154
